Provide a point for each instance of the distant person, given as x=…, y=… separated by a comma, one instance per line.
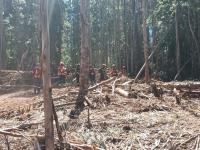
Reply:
x=102, y=72
x=92, y=75
x=62, y=73
x=123, y=71
x=113, y=72
x=77, y=73
x=37, y=73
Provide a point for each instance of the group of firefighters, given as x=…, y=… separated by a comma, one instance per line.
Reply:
x=104, y=73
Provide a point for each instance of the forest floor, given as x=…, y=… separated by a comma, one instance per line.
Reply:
x=117, y=123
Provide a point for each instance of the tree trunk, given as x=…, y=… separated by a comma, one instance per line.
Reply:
x=85, y=49
x=146, y=51
x=2, y=47
x=48, y=109
x=178, y=61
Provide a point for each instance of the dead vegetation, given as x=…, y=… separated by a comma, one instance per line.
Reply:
x=118, y=116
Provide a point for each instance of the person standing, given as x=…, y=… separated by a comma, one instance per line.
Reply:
x=92, y=76
x=113, y=72
x=37, y=73
x=102, y=72
x=62, y=73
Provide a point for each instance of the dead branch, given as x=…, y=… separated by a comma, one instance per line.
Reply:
x=197, y=145
x=113, y=85
x=141, y=146
x=185, y=142
x=88, y=102
x=83, y=146
x=58, y=127
x=102, y=83
x=18, y=135
x=36, y=144
x=22, y=126
x=16, y=86
x=7, y=142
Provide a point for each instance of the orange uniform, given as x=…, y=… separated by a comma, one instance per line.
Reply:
x=114, y=72
x=61, y=71
x=37, y=72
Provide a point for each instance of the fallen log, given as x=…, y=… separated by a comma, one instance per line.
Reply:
x=18, y=135
x=123, y=93
x=180, y=85
x=101, y=83
x=22, y=126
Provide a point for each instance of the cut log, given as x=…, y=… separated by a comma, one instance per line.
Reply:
x=123, y=93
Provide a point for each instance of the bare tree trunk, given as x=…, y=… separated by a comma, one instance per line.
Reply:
x=146, y=51
x=84, y=56
x=1, y=35
x=178, y=61
x=48, y=108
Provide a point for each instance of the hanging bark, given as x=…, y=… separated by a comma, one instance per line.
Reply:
x=144, y=7
x=48, y=109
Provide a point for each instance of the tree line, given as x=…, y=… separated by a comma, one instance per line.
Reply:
x=116, y=33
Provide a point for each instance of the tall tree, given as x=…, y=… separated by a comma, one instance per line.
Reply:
x=84, y=57
x=1, y=36
x=145, y=41
x=178, y=60
x=48, y=109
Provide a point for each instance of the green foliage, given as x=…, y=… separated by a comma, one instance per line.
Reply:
x=116, y=34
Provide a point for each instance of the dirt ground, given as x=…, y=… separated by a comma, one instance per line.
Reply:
x=143, y=122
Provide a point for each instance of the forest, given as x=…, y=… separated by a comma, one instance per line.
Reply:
x=99, y=74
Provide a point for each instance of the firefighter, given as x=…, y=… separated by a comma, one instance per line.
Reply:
x=92, y=75
x=37, y=73
x=102, y=72
x=113, y=72
x=62, y=73
x=123, y=71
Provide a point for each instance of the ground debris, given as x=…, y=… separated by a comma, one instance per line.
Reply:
x=142, y=121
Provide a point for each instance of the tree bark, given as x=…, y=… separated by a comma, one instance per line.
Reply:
x=48, y=108
x=178, y=61
x=85, y=49
x=146, y=51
